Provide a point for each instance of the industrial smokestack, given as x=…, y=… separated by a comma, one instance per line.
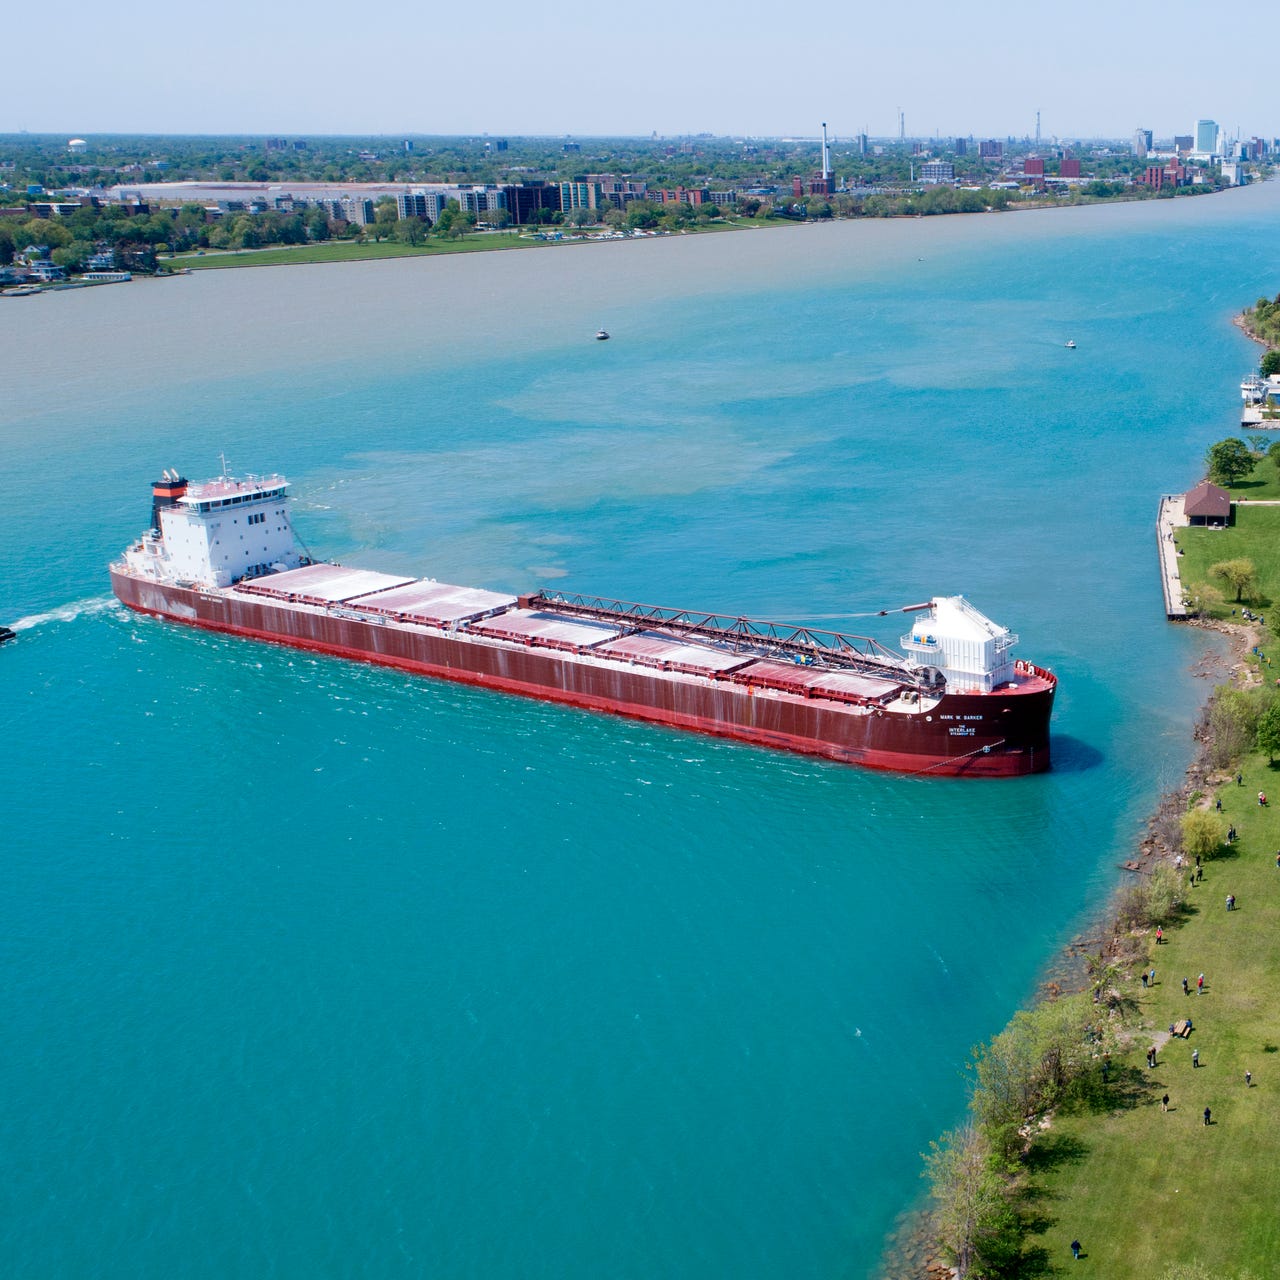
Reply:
x=826, y=155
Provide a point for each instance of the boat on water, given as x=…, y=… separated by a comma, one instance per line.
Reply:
x=1071, y=344
x=222, y=555
x=602, y=335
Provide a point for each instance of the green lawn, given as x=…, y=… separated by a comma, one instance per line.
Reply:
x=341, y=251
x=1254, y=536
x=1141, y=1189
x=1265, y=480
x=354, y=251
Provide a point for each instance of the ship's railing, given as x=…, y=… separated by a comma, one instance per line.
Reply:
x=805, y=645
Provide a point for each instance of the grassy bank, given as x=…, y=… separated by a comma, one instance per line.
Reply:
x=1068, y=1136
x=1254, y=536
x=341, y=251
x=1143, y=1189
x=366, y=251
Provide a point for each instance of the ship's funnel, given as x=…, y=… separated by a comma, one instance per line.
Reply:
x=164, y=493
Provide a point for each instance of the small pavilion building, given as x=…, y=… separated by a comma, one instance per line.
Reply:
x=1207, y=504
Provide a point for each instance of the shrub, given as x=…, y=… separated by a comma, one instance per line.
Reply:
x=1202, y=833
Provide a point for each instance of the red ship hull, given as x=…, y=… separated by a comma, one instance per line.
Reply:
x=1000, y=734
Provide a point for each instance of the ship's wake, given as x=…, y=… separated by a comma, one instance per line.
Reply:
x=66, y=613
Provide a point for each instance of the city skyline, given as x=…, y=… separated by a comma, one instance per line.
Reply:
x=724, y=70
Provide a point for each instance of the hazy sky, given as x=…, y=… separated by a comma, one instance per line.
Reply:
x=721, y=66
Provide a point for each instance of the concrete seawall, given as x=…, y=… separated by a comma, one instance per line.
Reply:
x=1170, y=517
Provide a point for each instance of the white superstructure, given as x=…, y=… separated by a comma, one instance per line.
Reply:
x=218, y=533
x=973, y=653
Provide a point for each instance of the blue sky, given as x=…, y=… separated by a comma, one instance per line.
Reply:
x=519, y=67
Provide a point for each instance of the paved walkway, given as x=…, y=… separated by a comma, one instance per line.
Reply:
x=1171, y=517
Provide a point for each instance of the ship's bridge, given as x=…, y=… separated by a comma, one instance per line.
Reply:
x=971, y=652
x=217, y=533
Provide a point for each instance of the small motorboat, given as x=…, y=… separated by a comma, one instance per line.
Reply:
x=1071, y=344
x=7, y=633
x=602, y=335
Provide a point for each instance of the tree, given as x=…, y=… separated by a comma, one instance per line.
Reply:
x=1269, y=731
x=1233, y=722
x=972, y=1209
x=411, y=230
x=1271, y=362
x=1202, y=833
x=1229, y=461
x=1238, y=573
x=642, y=215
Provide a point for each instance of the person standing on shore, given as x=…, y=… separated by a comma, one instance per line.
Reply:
x=1207, y=1116
x=1075, y=1250
x=1200, y=985
x=1186, y=989
x=1164, y=1103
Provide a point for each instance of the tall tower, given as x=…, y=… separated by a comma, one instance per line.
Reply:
x=826, y=154
x=1037, y=131
x=902, y=126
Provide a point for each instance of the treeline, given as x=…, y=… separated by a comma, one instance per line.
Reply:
x=1262, y=320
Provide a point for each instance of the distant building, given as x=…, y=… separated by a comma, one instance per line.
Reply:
x=1070, y=167
x=1232, y=173
x=937, y=171
x=77, y=145
x=860, y=141
x=1141, y=142
x=1183, y=142
x=991, y=149
x=1153, y=176
x=421, y=204
x=481, y=200
x=1207, y=136
x=524, y=201
x=571, y=146
x=961, y=147
x=45, y=271
x=1033, y=167
x=580, y=195
x=358, y=209
x=276, y=144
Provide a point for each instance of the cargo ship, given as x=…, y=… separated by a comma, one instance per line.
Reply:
x=222, y=555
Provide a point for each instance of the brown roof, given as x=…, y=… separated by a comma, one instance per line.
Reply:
x=1207, y=500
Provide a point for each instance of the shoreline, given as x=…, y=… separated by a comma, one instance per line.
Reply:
x=1242, y=324
x=911, y=1249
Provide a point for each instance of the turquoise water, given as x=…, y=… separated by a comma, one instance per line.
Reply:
x=313, y=969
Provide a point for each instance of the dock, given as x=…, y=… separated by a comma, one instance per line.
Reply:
x=1257, y=419
x=1171, y=517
